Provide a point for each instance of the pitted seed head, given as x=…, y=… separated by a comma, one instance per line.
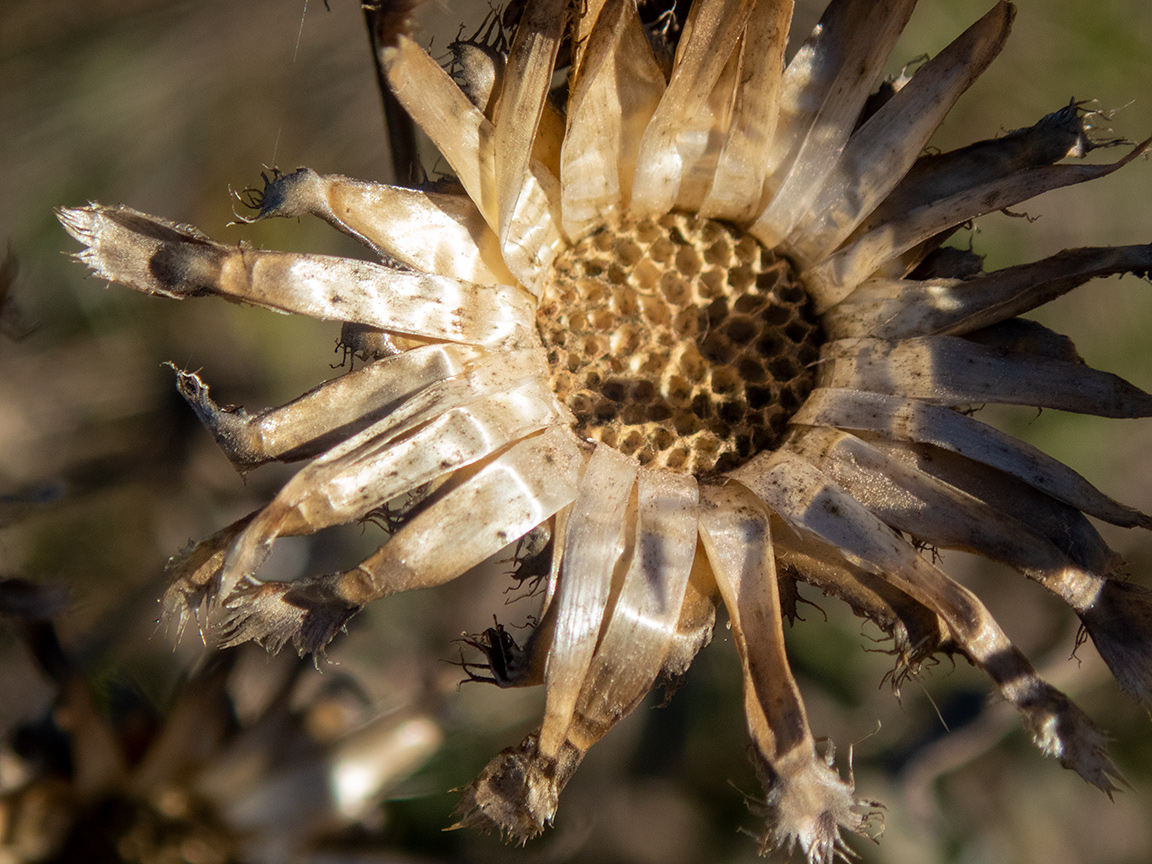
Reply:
x=679, y=341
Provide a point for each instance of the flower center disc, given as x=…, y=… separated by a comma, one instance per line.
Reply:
x=679, y=341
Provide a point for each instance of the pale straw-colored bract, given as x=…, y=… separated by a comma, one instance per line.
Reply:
x=456, y=433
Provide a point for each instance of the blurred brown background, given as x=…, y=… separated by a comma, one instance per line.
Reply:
x=166, y=105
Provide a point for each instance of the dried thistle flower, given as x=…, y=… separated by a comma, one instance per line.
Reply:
x=696, y=333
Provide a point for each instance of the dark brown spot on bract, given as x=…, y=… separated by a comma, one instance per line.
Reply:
x=185, y=268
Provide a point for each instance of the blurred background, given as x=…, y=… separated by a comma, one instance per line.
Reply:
x=166, y=107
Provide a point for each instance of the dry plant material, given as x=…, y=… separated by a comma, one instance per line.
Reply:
x=197, y=780
x=691, y=328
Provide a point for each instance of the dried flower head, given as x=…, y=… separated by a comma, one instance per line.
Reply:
x=685, y=330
